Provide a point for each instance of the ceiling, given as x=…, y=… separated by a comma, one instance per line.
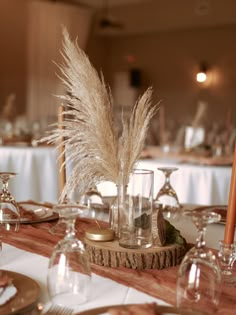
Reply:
x=110, y=3
x=149, y=16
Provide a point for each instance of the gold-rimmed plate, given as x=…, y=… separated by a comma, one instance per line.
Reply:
x=28, y=292
x=35, y=213
x=219, y=209
x=160, y=309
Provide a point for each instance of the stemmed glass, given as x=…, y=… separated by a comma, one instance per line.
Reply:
x=69, y=272
x=199, y=274
x=227, y=257
x=60, y=227
x=9, y=211
x=167, y=199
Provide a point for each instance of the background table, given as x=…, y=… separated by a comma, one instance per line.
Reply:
x=37, y=177
x=198, y=184
x=37, y=170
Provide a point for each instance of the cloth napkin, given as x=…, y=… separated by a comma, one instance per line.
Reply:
x=6, y=293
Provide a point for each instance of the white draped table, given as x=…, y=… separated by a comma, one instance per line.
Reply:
x=37, y=171
x=37, y=177
x=197, y=184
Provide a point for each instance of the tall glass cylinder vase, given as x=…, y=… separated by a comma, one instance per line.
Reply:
x=135, y=207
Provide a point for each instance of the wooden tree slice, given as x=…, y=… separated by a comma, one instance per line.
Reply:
x=110, y=254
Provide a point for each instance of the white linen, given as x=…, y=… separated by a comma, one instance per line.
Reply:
x=196, y=184
x=7, y=293
x=109, y=293
x=38, y=171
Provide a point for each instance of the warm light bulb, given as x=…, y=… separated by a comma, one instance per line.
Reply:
x=201, y=77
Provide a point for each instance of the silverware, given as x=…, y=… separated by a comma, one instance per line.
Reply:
x=58, y=310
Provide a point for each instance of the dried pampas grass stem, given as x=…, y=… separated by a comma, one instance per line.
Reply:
x=91, y=143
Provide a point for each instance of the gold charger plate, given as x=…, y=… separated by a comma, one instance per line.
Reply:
x=220, y=209
x=161, y=310
x=36, y=213
x=42, y=213
x=28, y=292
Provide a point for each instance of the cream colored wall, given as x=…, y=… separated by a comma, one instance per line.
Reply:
x=169, y=60
x=30, y=35
x=13, y=57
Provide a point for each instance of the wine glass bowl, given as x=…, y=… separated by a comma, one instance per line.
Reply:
x=69, y=272
x=199, y=274
x=166, y=198
x=9, y=211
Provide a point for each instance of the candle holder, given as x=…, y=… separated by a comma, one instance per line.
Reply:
x=227, y=257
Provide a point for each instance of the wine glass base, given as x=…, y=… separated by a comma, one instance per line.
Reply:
x=58, y=229
x=69, y=300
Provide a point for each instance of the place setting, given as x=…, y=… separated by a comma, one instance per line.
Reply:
x=24, y=211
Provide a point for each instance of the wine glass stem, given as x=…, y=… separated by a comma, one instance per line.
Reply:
x=70, y=231
x=200, y=241
x=167, y=179
x=5, y=186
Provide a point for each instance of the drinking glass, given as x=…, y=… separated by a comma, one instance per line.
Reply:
x=93, y=200
x=199, y=274
x=91, y=197
x=9, y=211
x=135, y=207
x=69, y=272
x=60, y=227
x=167, y=199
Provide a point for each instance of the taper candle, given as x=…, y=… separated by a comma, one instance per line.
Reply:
x=231, y=211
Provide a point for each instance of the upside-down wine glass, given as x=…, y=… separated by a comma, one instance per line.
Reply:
x=69, y=272
x=227, y=258
x=93, y=200
x=9, y=211
x=167, y=199
x=199, y=274
x=60, y=227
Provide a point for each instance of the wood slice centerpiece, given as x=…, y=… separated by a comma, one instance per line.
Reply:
x=110, y=254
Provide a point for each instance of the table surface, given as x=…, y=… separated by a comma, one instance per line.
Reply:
x=37, y=177
x=27, y=252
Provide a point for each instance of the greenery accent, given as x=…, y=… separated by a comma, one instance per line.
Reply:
x=173, y=236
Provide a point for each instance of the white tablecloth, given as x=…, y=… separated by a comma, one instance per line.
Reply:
x=110, y=292
x=197, y=184
x=37, y=177
x=37, y=170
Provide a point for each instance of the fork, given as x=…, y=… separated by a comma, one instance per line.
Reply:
x=58, y=310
